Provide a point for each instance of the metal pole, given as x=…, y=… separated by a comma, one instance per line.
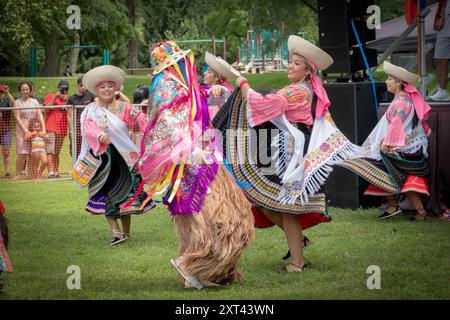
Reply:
x=33, y=61
x=238, y=55
x=421, y=49
x=224, y=49
x=74, y=135
x=394, y=45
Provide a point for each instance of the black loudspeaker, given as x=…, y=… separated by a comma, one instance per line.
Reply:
x=353, y=111
x=336, y=34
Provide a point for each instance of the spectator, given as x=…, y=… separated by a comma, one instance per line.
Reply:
x=56, y=124
x=38, y=152
x=442, y=49
x=82, y=97
x=140, y=95
x=68, y=71
x=5, y=126
x=27, y=109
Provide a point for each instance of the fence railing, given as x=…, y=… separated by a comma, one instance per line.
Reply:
x=62, y=143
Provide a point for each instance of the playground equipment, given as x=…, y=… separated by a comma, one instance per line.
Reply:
x=213, y=42
x=263, y=51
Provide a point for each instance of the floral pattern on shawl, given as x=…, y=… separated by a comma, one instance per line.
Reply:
x=96, y=124
x=174, y=146
x=396, y=114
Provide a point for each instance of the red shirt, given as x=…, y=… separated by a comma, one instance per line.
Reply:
x=55, y=119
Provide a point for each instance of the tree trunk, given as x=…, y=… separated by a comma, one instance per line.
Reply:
x=133, y=45
x=74, y=53
x=51, y=63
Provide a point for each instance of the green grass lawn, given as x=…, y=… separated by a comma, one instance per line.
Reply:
x=50, y=231
x=45, y=85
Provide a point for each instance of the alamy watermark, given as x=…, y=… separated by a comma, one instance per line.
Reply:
x=73, y=22
x=74, y=280
x=374, y=280
x=374, y=20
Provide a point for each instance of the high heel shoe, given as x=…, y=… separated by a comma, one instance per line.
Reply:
x=420, y=216
x=306, y=242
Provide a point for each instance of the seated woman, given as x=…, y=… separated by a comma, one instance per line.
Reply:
x=105, y=124
x=294, y=123
x=394, y=158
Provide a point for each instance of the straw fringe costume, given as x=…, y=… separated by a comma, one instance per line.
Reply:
x=180, y=163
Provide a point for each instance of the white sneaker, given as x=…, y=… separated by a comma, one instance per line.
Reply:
x=440, y=95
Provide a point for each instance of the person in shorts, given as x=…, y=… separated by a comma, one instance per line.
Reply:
x=6, y=102
x=82, y=97
x=56, y=125
x=442, y=49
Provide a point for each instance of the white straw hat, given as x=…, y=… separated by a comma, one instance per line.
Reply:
x=103, y=73
x=310, y=51
x=400, y=73
x=221, y=67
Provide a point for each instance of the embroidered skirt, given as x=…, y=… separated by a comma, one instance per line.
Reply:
x=394, y=174
x=243, y=150
x=114, y=184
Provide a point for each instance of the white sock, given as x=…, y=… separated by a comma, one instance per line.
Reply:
x=442, y=90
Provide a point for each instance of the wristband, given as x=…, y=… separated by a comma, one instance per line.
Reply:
x=101, y=137
x=241, y=82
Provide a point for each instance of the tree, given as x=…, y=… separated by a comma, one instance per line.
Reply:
x=135, y=38
x=228, y=21
x=16, y=36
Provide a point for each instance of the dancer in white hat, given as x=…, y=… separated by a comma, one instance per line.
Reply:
x=287, y=191
x=106, y=164
x=394, y=157
x=215, y=82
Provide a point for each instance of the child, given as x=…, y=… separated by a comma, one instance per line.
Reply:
x=38, y=152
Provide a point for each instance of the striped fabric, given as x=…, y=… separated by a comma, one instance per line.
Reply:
x=389, y=175
x=119, y=186
x=262, y=190
x=373, y=171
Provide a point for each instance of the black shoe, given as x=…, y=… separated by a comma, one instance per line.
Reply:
x=117, y=240
x=387, y=215
x=306, y=242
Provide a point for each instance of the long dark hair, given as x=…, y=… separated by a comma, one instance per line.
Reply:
x=313, y=106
